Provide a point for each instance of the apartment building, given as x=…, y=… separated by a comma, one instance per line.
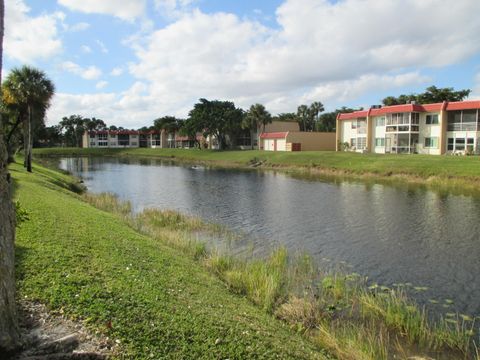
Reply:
x=441, y=128
x=122, y=139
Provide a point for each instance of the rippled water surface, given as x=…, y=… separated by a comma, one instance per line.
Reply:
x=390, y=234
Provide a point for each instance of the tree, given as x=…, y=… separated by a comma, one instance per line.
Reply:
x=75, y=126
x=30, y=88
x=9, y=332
x=286, y=117
x=48, y=136
x=257, y=116
x=168, y=123
x=308, y=115
x=431, y=95
x=215, y=118
x=327, y=122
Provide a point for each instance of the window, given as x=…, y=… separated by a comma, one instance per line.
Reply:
x=380, y=142
x=431, y=142
x=459, y=144
x=415, y=118
x=450, y=143
x=432, y=119
x=462, y=120
x=470, y=145
x=92, y=143
x=134, y=143
x=103, y=143
x=354, y=124
x=353, y=142
x=113, y=136
x=92, y=135
x=361, y=143
x=380, y=121
x=102, y=136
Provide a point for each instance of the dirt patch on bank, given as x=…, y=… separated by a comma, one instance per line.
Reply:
x=48, y=335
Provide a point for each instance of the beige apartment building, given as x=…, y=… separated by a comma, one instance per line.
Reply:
x=441, y=128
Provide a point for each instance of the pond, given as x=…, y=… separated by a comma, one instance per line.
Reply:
x=390, y=234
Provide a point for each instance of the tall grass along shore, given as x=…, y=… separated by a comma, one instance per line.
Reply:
x=451, y=173
x=163, y=293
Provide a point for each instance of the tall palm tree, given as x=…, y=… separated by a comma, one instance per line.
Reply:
x=257, y=116
x=9, y=334
x=32, y=88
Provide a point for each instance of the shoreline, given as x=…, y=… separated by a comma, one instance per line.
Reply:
x=464, y=179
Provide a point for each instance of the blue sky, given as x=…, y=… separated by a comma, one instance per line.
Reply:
x=131, y=61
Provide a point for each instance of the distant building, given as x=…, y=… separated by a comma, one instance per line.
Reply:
x=134, y=139
x=441, y=128
x=297, y=141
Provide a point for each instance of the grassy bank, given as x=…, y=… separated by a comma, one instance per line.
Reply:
x=151, y=298
x=436, y=171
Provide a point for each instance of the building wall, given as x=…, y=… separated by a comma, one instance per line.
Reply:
x=429, y=131
x=313, y=141
x=347, y=131
x=281, y=126
x=378, y=132
x=269, y=144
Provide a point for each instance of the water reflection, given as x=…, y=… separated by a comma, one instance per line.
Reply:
x=390, y=234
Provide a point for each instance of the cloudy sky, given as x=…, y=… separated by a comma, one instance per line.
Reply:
x=131, y=61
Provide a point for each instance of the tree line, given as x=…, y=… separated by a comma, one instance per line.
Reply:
x=27, y=93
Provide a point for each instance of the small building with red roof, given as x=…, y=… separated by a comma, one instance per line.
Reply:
x=440, y=128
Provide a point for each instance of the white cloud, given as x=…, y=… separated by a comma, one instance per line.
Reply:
x=88, y=73
x=323, y=51
x=354, y=44
x=81, y=26
x=130, y=109
x=86, y=49
x=173, y=8
x=101, y=84
x=117, y=71
x=24, y=33
x=102, y=46
x=123, y=9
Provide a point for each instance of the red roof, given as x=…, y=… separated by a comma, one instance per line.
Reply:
x=274, y=135
x=463, y=105
x=449, y=106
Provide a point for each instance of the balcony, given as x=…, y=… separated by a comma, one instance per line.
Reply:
x=462, y=126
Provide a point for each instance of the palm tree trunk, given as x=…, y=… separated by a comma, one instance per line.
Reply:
x=28, y=154
x=25, y=140
x=9, y=333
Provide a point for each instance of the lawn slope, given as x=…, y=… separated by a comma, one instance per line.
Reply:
x=150, y=298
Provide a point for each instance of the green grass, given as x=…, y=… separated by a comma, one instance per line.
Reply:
x=432, y=170
x=90, y=265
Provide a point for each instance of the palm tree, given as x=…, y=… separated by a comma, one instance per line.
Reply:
x=31, y=88
x=9, y=334
x=255, y=117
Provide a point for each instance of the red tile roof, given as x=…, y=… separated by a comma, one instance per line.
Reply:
x=449, y=106
x=463, y=105
x=274, y=135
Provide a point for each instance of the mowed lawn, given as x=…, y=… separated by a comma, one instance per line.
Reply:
x=151, y=299
x=423, y=166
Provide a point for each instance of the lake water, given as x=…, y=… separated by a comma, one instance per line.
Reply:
x=392, y=235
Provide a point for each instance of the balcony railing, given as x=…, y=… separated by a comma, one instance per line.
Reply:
x=462, y=127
